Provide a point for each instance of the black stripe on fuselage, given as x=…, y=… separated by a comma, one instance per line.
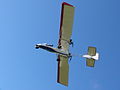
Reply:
x=47, y=48
x=52, y=50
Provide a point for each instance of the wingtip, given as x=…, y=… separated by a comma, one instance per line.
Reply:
x=64, y=3
x=63, y=84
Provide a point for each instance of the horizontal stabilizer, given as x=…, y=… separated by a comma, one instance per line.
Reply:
x=91, y=56
x=91, y=51
x=90, y=62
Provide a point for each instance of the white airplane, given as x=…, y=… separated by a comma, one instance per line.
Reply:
x=50, y=48
x=67, y=15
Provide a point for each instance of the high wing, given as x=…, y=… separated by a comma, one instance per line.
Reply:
x=67, y=15
x=66, y=24
x=63, y=70
x=91, y=52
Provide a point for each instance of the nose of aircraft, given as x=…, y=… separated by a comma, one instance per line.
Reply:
x=36, y=46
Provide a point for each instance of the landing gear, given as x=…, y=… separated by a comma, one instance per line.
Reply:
x=71, y=42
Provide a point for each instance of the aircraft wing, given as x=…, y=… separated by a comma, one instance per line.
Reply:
x=91, y=52
x=67, y=14
x=66, y=24
x=63, y=70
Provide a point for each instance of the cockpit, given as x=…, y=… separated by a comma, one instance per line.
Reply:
x=43, y=44
x=48, y=44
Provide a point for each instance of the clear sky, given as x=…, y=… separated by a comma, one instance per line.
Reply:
x=24, y=23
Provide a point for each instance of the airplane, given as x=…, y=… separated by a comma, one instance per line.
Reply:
x=50, y=48
x=62, y=50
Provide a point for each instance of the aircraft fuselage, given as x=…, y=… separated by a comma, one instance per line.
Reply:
x=50, y=48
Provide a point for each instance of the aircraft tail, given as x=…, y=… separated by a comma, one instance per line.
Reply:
x=96, y=57
x=91, y=57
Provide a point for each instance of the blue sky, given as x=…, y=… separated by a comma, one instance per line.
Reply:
x=24, y=23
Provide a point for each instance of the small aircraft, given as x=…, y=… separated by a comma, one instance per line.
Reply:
x=67, y=15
